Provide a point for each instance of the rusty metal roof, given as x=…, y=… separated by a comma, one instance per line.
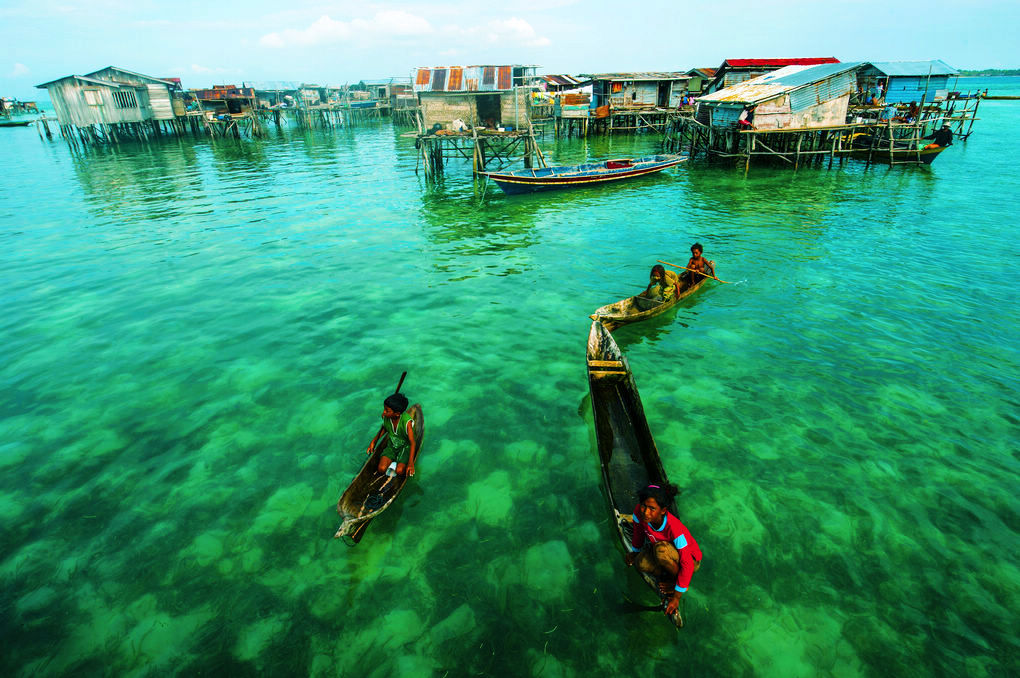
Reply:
x=561, y=80
x=460, y=79
x=782, y=81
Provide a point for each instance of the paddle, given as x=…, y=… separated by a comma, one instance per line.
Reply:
x=692, y=271
x=401, y=382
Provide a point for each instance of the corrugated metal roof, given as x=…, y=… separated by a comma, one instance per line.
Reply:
x=124, y=70
x=465, y=78
x=801, y=61
x=781, y=81
x=562, y=80
x=82, y=78
x=638, y=76
x=937, y=66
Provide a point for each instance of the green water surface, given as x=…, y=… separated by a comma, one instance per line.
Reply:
x=197, y=337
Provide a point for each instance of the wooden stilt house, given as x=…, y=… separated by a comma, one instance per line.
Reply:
x=110, y=96
x=489, y=96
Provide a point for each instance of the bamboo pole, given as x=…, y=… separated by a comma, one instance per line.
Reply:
x=692, y=271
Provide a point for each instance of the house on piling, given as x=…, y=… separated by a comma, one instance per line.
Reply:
x=699, y=79
x=392, y=93
x=902, y=82
x=734, y=71
x=490, y=96
x=793, y=97
x=112, y=100
x=628, y=91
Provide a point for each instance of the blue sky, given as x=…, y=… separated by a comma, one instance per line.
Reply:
x=207, y=43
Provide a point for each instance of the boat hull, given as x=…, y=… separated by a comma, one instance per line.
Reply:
x=627, y=452
x=574, y=176
x=637, y=308
x=356, y=506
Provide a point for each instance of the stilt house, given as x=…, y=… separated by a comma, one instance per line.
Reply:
x=793, y=97
x=625, y=91
x=479, y=95
x=733, y=71
x=699, y=79
x=902, y=82
x=111, y=96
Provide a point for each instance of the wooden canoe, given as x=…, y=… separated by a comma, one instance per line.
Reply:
x=637, y=308
x=627, y=451
x=362, y=500
x=586, y=174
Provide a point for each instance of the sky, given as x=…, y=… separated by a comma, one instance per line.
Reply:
x=228, y=42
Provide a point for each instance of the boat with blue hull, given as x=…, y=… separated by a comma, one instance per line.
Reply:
x=587, y=174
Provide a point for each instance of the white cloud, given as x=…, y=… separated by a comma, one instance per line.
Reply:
x=326, y=30
x=19, y=70
x=516, y=31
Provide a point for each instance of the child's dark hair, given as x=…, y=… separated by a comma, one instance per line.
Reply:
x=663, y=495
x=697, y=246
x=396, y=402
x=658, y=269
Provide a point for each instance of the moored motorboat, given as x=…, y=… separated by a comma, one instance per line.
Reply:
x=586, y=174
x=627, y=451
x=371, y=493
x=638, y=307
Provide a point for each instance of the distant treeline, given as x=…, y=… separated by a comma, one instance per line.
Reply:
x=993, y=71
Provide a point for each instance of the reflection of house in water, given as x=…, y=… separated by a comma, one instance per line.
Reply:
x=113, y=104
x=480, y=113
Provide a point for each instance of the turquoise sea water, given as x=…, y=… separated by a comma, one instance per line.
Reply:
x=197, y=338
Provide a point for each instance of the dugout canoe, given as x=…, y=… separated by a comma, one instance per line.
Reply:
x=627, y=451
x=587, y=174
x=368, y=495
x=637, y=308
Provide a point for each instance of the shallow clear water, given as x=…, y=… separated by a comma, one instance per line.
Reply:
x=197, y=338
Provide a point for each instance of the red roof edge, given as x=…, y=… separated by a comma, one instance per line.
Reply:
x=805, y=61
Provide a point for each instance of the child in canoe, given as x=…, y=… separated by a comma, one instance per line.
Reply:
x=399, y=425
x=699, y=264
x=662, y=546
x=663, y=285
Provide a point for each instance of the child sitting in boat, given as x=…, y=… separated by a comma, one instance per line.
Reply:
x=399, y=425
x=699, y=264
x=661, y=545
x=663, y=285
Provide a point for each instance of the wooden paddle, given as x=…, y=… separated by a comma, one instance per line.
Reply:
x=401, y=382
x=692, y=271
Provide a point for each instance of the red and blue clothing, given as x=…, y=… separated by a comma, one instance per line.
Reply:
x=671, y=530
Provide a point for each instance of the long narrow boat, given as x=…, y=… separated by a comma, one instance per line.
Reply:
x=636, y=308
x=16, y=123
x=587, y=174
x=371, y=493
x=627, y=451
x=924, y=156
